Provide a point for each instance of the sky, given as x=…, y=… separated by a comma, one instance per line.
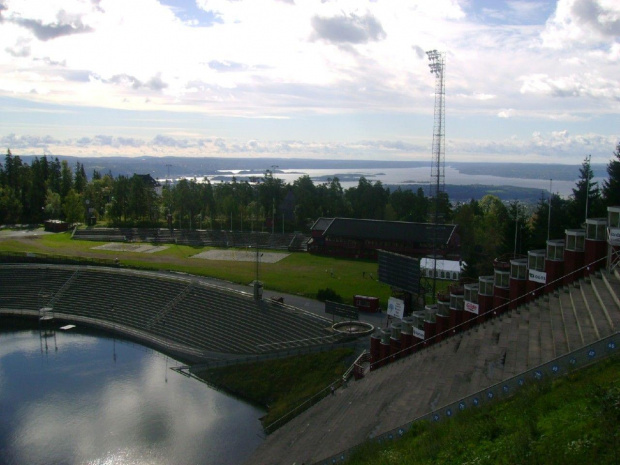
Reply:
x=531, y=81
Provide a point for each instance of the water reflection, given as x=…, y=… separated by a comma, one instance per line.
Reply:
x=78, y=405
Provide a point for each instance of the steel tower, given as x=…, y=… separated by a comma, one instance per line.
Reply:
x=437, y=66
x=438, y=184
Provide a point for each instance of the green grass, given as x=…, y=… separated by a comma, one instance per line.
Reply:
x=299, y=273
x=574, y=420
x=281, y=385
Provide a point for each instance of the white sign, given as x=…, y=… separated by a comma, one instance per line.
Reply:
x=396, y=308
x=614, y=235
x=471, y=307
x=538, y=276
x=419, y=333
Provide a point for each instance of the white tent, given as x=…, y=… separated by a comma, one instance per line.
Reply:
x=446, y=269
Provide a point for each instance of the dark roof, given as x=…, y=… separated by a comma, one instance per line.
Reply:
x=387, y=230
x=321, y=224
x=148, y=180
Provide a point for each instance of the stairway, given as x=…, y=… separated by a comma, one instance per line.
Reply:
x=496, y=350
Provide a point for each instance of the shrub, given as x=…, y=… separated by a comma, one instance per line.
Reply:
x=328, y=294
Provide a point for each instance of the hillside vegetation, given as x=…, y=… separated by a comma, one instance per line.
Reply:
x=573, y=420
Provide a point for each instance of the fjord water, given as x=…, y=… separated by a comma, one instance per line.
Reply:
x=84, y=398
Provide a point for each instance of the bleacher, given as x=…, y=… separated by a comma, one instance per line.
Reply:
x=177, y=309
x=505, y=346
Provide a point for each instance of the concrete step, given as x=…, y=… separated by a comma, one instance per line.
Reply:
x=572, y=329
x=583, y=314
x=534, y=346
x=547, y=345
x=560, y=344
x=602, y=295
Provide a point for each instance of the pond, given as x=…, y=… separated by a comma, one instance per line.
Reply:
x=82, y=397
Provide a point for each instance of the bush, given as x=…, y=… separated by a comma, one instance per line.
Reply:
x=328, y=294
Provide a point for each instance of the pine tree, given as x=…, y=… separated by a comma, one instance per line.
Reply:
x=611, y=186
x=585, y=190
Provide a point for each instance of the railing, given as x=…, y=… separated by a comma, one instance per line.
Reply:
x=480, y=318
x=560, y=366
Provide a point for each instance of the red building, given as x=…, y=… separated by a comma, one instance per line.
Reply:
x=349, y=237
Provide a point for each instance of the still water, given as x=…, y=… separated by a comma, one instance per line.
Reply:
x=83, y=398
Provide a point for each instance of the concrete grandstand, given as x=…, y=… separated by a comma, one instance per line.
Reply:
x=178, y=313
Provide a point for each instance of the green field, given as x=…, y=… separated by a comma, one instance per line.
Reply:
x=573, y=420
x=300, y=273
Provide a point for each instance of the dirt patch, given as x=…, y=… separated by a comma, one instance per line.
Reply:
x=241, y=256
x=122, y=247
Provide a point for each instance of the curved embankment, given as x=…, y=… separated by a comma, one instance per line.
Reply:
x=178, y=313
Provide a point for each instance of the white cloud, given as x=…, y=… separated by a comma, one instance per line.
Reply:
x=509, y=113
x=261, y=59
x=582, y=22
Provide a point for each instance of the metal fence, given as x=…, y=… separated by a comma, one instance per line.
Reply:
x=553, y=369
x=30, y=257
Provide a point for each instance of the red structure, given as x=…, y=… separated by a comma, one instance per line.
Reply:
x=537, y=277
x=518, y=282
x=395, y=346
x=430, y=324
x=366, y=304
x=471, y=308
x=501, y=284
x=406, y=336
x=574, y=254
x=456, y=307
x=554, y=264
x=596, y=244
x=442, y=317
x=375, y=351
x=485, y=297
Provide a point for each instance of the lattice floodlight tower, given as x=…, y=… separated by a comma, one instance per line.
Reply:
x=438, y=184
x=437, y=66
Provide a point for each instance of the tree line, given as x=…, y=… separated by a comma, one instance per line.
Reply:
x=51, y=189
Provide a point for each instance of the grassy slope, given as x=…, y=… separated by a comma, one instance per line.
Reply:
x=572, y=421
x=281, y=385
x=299, y=273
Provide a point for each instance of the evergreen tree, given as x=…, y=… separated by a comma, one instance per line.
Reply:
x=586, y=197
x=611, y=186
x=79, y=180
x=66, y=179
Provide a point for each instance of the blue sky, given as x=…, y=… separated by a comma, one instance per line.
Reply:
x=534, y=81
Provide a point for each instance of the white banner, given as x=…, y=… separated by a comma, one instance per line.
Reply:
x=538, y=276
x=396, y=308
x=471, y=307
x=419, y=333
x=614, y=235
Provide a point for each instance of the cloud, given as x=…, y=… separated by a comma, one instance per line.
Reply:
x=508, y=113
x=580, y=23
x=351, y=28
x=50, y=31
x=21, y=49
x=419, y=51
x=155, y=83
x=573, y=86
x=592, y=14
x=226, y=66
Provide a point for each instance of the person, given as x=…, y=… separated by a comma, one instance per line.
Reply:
x=332, y=389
